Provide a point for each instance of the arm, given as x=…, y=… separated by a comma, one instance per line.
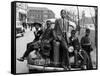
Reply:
x=77, y=45
x=51, y=36
x=70, y=43
x=40, y=33
x=43, y=32
x=83, y=42
x=35, y=33
x=55, y=30
x=67, y=26
x=54, y=35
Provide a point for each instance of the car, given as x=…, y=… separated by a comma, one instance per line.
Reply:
x=19, y=31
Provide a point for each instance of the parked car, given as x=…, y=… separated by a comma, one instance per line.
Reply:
x=19, y=31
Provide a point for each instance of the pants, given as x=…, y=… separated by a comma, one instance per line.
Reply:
x=86, y=60
x=89, y=65
x=56, y=52
x=65, y=53
x=30, y=48
x=76, y=57
x=88, y=49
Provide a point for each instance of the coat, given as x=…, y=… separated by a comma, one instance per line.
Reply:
x=58, y=29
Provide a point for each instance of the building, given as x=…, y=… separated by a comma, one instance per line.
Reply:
x=88, y=23
x=39, y=14
x=21, y=13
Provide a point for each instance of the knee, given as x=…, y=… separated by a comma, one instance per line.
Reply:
x=56, y=43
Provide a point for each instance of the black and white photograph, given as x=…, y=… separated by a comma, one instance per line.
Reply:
x=55, y=37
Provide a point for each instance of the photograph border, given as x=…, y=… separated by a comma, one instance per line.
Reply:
x=13, y=34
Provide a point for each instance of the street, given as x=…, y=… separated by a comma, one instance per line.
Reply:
x=21, y=42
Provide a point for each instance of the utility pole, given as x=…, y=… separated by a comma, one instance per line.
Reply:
x=95, y=24
x=83, y=18
x=78, y=25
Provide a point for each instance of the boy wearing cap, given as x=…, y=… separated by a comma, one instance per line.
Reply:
x=86, y=46
x=74, y=42
x=32, y=45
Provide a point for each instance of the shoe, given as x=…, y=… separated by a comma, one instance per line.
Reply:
x=20, y=59
x=76, y=66
x=69, y=67
x=65, y=67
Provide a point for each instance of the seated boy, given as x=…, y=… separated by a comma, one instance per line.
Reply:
x=74, y=45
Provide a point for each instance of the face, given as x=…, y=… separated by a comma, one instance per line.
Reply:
x=87, y=33
x=63, y=13
x=48, y=23
x=73, y=34
x=37, y=26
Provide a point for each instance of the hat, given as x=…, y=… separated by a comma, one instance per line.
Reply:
x=87, y=30
x=73, y=31
x=37, y=24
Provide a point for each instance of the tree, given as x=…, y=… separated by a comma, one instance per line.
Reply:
x=78, y=25
x=95, y=23
x=83, y=17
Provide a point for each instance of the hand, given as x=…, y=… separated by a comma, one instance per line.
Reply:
x=39, y=41
x=87, y=44
x=47, y=41
x=59, y=37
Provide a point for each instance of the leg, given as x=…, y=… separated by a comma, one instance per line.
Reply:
x=29, y=44
x=65, y=57
x=56, y=53
x=30, y=48
x=89, y=61
x=76, y=57
x=84, y=59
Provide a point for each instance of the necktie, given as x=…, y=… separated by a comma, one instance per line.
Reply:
x=63, y=29
x=63, y=25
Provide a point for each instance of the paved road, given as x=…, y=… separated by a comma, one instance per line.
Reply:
x=21, y=67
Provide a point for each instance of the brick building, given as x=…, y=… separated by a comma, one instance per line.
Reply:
x=39, y=14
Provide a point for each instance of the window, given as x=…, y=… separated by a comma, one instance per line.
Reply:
x=22, y=17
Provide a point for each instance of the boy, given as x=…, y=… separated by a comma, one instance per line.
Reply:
x=74, y=42
x=86, y=46
x=32, y=45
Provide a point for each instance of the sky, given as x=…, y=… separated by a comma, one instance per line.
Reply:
x=57, y=8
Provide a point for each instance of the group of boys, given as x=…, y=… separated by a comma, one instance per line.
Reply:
x=59, y=33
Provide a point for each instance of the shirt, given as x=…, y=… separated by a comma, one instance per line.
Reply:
x=64, y=25
x=47, y=35
x=38, y=34
x=85, y=40
x=86, y=44
x=74, y=42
